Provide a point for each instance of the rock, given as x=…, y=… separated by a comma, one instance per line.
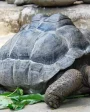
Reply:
x=46, y=2
x=9, y=19
x=14, y=17
x=79, y=14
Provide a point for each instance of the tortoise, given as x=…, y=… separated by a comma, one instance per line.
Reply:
x=50, y=55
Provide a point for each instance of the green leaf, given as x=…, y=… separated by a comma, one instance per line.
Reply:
x=33, y=96
x=18, y=91
x=21, y=101
x=4, y=102
x=16, y=106
x=12, y=106
x=5, y=94
x=17, y=100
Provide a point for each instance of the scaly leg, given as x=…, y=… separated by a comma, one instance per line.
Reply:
x=69, y=82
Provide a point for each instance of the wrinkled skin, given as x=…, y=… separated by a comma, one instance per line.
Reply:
x=69, y=82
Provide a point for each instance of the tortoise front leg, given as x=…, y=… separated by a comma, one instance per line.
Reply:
x=69, y=82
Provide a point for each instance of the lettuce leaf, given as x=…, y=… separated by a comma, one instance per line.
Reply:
x=17, y=100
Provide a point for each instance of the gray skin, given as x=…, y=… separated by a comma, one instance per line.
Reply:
x=50, y=50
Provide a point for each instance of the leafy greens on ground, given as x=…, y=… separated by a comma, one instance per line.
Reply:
x=17, y=100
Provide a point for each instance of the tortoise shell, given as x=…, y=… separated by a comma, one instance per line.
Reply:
x=39, y=51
